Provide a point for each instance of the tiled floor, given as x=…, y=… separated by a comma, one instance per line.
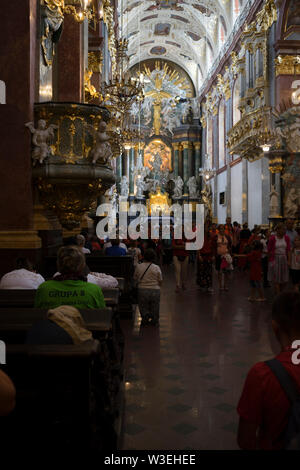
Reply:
x=184, y=379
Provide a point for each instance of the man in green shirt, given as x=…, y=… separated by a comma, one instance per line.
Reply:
x=80, y=294
x=69, y=286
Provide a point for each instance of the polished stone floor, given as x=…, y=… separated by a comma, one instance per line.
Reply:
x=183, y=379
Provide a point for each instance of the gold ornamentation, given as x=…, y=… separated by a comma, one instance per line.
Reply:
x=287, y=65
x=22, y=239
x=90, y=92
x=250, y=133
x=267, y=15
x=69, y=201
x=276, y=164
x=95, y=61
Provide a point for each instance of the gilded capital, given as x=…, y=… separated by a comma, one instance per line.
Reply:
x=186, y=145
x=197, y=145
x=175, y=145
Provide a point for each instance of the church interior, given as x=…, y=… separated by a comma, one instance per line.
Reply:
x=111, y=342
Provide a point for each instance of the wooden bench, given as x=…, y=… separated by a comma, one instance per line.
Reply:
x=54, y=409
x=25, y=297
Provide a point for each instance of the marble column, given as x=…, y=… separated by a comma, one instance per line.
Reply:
x=119, y=171
x=131, y=170
x=70, y=62
x=197, y=151
x=176, y=158
x=180, y=160
x=244, y=191
x=185, y=164
x=191, y=160
x=18, y=65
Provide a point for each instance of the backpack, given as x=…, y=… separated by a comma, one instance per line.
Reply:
x=292, y=431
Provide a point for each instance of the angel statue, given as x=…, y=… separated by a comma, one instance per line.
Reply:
x=192, y=185
x=102, y=149
x=291, y=204
x=274, y=206
x=206, y=194
x=124, y=186
x=40, y=139
x=140, y=187
x=178, y=187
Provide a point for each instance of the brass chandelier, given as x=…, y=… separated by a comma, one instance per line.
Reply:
x=80, y=9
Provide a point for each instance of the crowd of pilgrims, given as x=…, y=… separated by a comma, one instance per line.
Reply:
x=272, y=258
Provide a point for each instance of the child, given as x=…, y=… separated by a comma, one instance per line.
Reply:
x=254, y=258
x=264, y=407
x=295, y=263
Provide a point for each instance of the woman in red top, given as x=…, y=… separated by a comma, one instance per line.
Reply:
x=221, y=244
x=204, y=262
x=254, y=258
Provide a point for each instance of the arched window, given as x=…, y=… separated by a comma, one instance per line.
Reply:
x=2, y=92
x=222, y=134
x=209, y=141
x=235, y=102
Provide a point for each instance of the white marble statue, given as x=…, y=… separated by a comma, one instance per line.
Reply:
x=102, y=149
x=140, y=187
x=40, y=140
x=291, y=204
x=192, y=186
x=178, y=187
x=124, y=186
x=274, y=204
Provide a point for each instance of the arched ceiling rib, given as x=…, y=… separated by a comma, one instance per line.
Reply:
x=187, y=32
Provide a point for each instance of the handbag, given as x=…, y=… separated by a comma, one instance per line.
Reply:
x=134, y=290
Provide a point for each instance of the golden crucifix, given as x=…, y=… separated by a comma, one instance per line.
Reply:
x=158, y=94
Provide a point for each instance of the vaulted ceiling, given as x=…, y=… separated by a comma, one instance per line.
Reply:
x=187, y=32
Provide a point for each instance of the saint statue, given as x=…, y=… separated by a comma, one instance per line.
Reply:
x=124, y=186
x=40, y=139
x=274, y=206
x=158, y=95
x=140, y=187
x=206, y=194
x=291, y=204
x=102, y=149
x=192, y=186
x=178, y=187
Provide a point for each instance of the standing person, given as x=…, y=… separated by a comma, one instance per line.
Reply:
x=265, y=259
x=148, y=277
x=255, y=236
x=180, y=259
x=254, y=258
x=134, y=251
x=235, y=237
x=228, y=227
x=221, y=248
x=295, y=263
x=264, y=407
x=245, y=234
x=204, y=262
x=290, y=231
x=279, y=248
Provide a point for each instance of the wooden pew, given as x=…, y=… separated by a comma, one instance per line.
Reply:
x=25, y=297
x=54, y=409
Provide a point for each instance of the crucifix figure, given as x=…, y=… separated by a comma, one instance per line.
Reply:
x=158, y=94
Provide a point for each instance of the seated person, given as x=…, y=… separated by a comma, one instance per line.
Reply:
x=64, y=325
x=24, y=277
x=264, y=407
x=80, y=241
x=115, y=249
x=70, y=287
x=105, y=281
x=108, y=244
x=7, y=394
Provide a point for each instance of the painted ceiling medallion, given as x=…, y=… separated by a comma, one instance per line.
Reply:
x=158, y=50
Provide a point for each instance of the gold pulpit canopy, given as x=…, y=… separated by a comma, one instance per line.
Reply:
x=157, y=202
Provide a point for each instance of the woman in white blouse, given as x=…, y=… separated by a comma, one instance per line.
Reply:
x=24, y=277
x=148, y=277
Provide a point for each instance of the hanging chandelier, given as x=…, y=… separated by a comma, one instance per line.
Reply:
x=207, y=172
x=79, y=9
x=122, y=90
